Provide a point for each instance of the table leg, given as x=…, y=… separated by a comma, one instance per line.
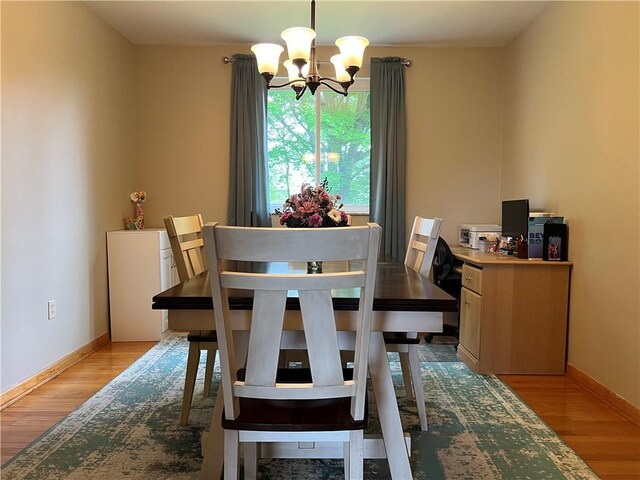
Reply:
x=387, y=404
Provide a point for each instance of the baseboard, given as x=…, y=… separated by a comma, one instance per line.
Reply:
x=30, y=384
x=615, y=401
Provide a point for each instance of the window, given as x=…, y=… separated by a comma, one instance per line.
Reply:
x=340, y=126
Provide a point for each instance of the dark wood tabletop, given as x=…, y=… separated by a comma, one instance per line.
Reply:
x=398, y=288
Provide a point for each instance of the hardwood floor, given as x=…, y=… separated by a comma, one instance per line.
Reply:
x=29, y=417
x=609, y=443
x=604, y=439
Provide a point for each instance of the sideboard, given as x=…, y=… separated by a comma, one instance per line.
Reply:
x=513, y=313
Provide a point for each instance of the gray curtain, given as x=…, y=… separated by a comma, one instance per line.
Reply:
x=249, y=179
x=388, y=153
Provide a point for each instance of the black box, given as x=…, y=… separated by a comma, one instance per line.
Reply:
x=555, y=246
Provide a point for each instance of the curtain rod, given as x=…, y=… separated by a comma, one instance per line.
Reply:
x=406, y=63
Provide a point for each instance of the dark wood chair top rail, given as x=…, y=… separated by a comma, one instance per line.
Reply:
x=398, y=288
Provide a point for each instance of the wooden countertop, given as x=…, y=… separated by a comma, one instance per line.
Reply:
x=481, y=258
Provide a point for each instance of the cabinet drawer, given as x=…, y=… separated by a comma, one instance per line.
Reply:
x=472, y=278
x=470, y=310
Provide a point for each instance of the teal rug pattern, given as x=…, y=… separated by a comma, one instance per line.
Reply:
x=478, y=429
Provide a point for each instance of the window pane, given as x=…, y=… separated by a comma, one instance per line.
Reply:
x=345, y=145
x=291, y=137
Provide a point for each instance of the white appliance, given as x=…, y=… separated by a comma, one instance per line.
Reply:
x=470, y=235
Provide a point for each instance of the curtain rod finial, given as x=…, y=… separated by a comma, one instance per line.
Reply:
x=228, y=60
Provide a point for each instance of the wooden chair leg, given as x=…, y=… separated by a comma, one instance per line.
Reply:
x=418, y=388
x=251, y=460
x=213, y=448
x=231, y=451
x=208, y=372
x=406, y=375
x=190, y=381
x=354, y=456
x=347, y=459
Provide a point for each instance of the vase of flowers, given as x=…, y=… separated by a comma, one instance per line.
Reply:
x=313, y=208
x=136, y=223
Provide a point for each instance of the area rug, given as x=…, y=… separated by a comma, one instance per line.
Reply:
x=478, y=429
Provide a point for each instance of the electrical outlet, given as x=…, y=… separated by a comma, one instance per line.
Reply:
x=51, y=309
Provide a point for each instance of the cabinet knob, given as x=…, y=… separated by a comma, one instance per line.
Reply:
x=468, y=279
x=467, y=302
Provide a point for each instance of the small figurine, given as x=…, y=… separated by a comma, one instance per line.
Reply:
x=136, y=223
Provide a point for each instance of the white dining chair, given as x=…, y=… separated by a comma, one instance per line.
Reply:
x=263, y=403
x=187, y=246
x=420, y=252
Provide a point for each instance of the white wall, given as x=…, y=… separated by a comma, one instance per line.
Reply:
x=68, y=166
x=571, y=145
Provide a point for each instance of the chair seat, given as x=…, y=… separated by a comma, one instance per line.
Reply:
x=399, y=338
x=203, y=336
x=296, y=415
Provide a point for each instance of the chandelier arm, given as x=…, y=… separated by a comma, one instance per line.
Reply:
x=284, y=84
x=350, y=82
x=301, y=92
x=344, y=92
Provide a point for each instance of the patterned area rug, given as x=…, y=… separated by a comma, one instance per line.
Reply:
x=478, y=429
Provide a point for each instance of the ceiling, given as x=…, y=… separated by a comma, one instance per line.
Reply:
x=396, y=22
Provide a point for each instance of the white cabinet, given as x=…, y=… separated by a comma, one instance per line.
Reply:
x=140, y=266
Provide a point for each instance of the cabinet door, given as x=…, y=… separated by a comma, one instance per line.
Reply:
x=166, y=266
x=470, y=308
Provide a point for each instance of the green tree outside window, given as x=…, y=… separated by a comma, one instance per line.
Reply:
x=342, y=126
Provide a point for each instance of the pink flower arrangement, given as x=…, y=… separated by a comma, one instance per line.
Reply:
x=313, y=208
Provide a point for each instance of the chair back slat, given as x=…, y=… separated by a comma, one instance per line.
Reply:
x=322, y=337
x=191, y=244
x=270, y=292
x=300, y=391
x=265, y=337
x=187, y=225
x=275, y=281
x=193, y=261
x=280, y=245
x=422, y=244
x=188, y=253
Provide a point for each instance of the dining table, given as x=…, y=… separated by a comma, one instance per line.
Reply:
x=404, y=301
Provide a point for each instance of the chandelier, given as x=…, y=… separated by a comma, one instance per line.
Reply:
x=302, y=66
